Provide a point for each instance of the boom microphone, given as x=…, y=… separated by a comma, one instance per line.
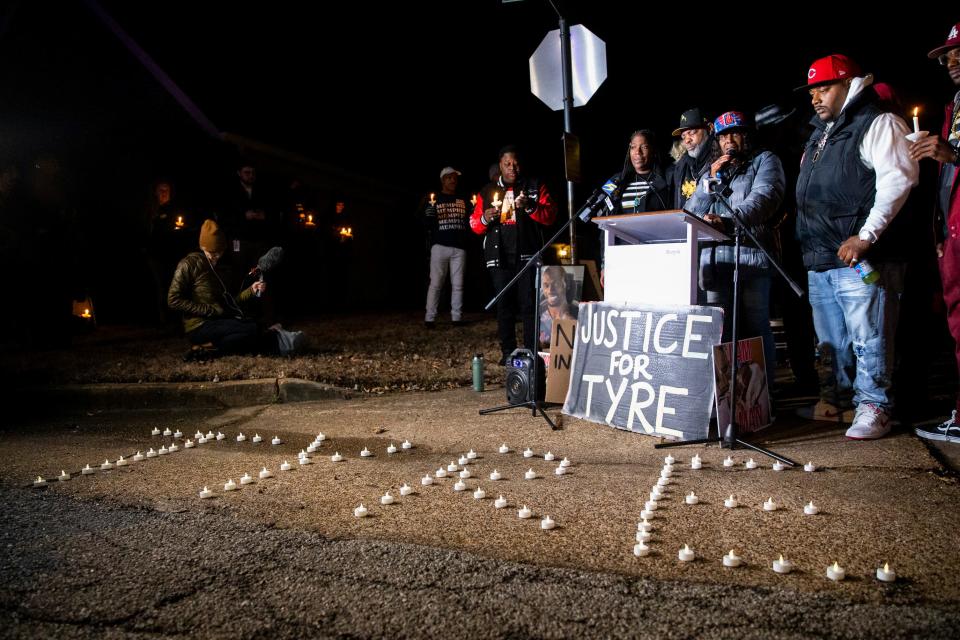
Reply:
x=267, y=263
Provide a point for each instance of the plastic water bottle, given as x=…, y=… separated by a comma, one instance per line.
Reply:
x=478, y=372
x=866, y=272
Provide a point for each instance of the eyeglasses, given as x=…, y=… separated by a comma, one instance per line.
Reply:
x=950, y=56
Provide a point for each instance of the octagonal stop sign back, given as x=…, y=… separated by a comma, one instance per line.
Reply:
x=588, y=55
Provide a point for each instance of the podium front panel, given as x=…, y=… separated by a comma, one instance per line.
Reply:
x=651, y=274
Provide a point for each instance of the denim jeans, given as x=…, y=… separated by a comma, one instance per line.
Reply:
x=857, y=322
x=445, y=259
x=754, y=313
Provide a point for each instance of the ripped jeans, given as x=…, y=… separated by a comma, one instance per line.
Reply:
x=856, y=322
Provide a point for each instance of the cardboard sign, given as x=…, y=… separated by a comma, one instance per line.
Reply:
x=562, y=338
x=647, y=370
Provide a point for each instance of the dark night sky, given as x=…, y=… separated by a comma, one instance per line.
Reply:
x=397, y=90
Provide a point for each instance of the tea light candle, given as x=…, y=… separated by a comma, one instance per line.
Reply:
x=440, y=473
x=386, y=498
x=88, y=470
x=524, y=513
x=178, y=434
x=247, y=479
x=560, y=471
x=167, y=432
x=463, y=461
x=452, y=467
x=750, y=464
x=691, y=498
x=530, y=475
x=265, y=473
x=732, y=559
x=644, y=536
x=406, y=489
x=809, y=467
x=644, y=525
x=360, y=512
x=686, y=554
x=210, y=435
x=778, y=466
x=155, y=432
x=366, y=453
x=696, y=462
x=173, y=448
x=220, y=436
x=311, y=448
x=548, y=456
x=121, y=462
x=257, y=438
x=885, y=573
x=495, y=475
x=471, y=455
x=770, y=505
x=138, y=457
x=728, y=461
x=782, y=566
x=64, y=476
x=731, y=502
x=206, y=493
x=666, y=473
x=336, y=457
x=198, y=434
x=661, y=481
x=189, y=444
x=640, y=550
x=547, y=523
x=528, y=453
x=321, y=437
x=504, y=448
x=426, y=480
x=465, y=474
x=565, y=463
x=163, y=451
x=500, y=503
x=303, y=454
x=651, y=505
x=810, y=509
x=669, y=460
x=305, y=461
x=406, y=445
x=276, y=440
x=835, y=572
x=392, y=448
x=286, y=466
x=230, y=485
x=657, y=492
x=646, y=514
x=460, y=486
x=39, y=482
x=479, y=494
x=202, y=440
x=668, y=467
x=151, y=453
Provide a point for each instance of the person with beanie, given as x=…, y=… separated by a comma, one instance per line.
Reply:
x=211, y=315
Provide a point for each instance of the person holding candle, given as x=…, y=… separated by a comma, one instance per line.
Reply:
x=755, y=181
x=945, y=149
x=855, y=176
x=511, y=213
x=448, y=228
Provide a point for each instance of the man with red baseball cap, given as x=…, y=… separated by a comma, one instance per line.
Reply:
x=944, y=149
x=855, y=175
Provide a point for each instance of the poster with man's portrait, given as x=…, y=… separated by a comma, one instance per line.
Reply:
x=753, y=395
x=561, y=288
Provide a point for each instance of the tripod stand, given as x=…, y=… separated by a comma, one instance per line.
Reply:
x=730, y=439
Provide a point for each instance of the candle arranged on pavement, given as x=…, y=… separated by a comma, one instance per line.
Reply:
x=809, y=467
x=530, y=475
x=286, y=466
x=640, y=550
x=88, y=470
x=320, y=437
x=173, y=448
x=548, y=456
x=560, y=471
x=524, y=513
x=386, y=498
x=162, y=451
x=778, y=466
x=770, y=505
x=666, y=472
x=504, y=448
x=885, y=573
x=210, y=435
x=479, y=494
x=547, y=523
x=750, y=464
x=696, y=462
x=732, y=559
x=728, y=461
x=247, y=479
x=178, y=434
x=643, y=536
x=528, y=453
x=500, y=502
x=686, y=554
x=663, y=481
x=810, y=509
x=460, y=486
x=495, y=475
x=471, y=455
x=360, y=512
x=155, y=432
x=644, y=525
x=440, y=473
x=669, y=460
x=167, y=432
x=189, y=444
x=392, y=448
x=106, y=466
x=426, y=481
x=64, y=476
x=452, y=467
x=647, y=514
x=121, y=462
x=138, y=457
x=265, y=473
x=406, y=489
x=406, y=445
x=276, y=440
x=465, y=474
x=198, y=434
x=220, y=436
x=782, y=566
x=230, y=485
x=463, y=461
x=731, y=502
x=691, y=498
x=336, y=457
x=206, y=493
x=366, y=453
x=257, y=438
x=835, y=572
x=651, y=505
x=202, y=440
x=311, y=448
x=39, y=482
x=305, y=460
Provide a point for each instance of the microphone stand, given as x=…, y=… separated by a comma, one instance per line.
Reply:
x=536, y=406
x=730, y=439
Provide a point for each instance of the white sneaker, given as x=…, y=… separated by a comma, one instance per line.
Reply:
x=869, y=423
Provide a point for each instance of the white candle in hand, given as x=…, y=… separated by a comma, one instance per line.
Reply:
x=916, y=120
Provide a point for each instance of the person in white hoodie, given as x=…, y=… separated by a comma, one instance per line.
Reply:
x=855, y=176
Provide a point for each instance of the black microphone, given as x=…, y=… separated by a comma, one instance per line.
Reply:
x=267, y=263
x=604, y=196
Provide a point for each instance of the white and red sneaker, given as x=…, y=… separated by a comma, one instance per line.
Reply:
x=869, y=423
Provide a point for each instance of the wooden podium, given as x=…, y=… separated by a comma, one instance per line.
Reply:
x=657, y=259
